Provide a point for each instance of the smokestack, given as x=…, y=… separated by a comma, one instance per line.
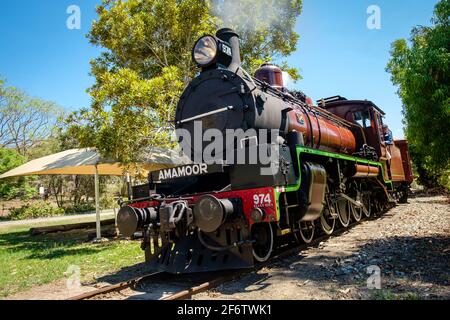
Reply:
x=230, y=36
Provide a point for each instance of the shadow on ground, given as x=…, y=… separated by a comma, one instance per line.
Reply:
x=127, y=273
x=410, y=268
x=49, y=246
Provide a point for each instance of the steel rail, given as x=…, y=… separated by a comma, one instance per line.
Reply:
x=114, y=287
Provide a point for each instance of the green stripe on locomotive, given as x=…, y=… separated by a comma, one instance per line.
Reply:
x=326, y=154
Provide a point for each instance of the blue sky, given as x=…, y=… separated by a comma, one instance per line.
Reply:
x=337, y=53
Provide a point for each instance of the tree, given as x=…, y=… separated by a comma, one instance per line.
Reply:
x=26, y=124
x=24, y=121
x=420, y=69
x=11, y=188
x=147, y=63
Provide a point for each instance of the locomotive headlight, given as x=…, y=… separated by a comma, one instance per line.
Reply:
x=205, y=51
x=209, y=50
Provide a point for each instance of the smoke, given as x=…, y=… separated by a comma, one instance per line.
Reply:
x=251, y=16
x=288, y=82
x=270, y=20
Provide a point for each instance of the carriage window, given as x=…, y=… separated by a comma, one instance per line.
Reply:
x=362, y=118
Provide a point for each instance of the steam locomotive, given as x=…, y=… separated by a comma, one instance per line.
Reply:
x=324, y=165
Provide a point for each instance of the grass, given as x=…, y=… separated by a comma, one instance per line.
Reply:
x=27, y=261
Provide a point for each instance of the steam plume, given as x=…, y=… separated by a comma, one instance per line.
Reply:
x=251, y=16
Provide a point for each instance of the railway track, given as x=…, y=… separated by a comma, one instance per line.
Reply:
x=204, y=283
x=185, y=292
x=114, y=287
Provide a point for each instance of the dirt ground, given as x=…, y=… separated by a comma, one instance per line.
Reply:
x=410, y=245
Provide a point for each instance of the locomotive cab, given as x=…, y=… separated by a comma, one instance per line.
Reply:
x=363, y=113
x=369, y=117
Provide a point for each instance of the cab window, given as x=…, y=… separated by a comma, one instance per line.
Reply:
x=380, y=127
x=362, y=118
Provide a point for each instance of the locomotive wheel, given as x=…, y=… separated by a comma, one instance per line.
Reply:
x=296, y=233
x=307, y=231
x=327, y=220
x=365, y=199
x=357, y=212
x=262, y=234
x=343, y=212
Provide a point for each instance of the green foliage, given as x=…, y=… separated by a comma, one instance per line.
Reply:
x=17, y=188
x=421, y=70
x=13, y=187
x=108, y=202
x=80, y=208
x=36, y=210
x=10, y=159
x=24, y=121
x=26, y=126
x=147, y=63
